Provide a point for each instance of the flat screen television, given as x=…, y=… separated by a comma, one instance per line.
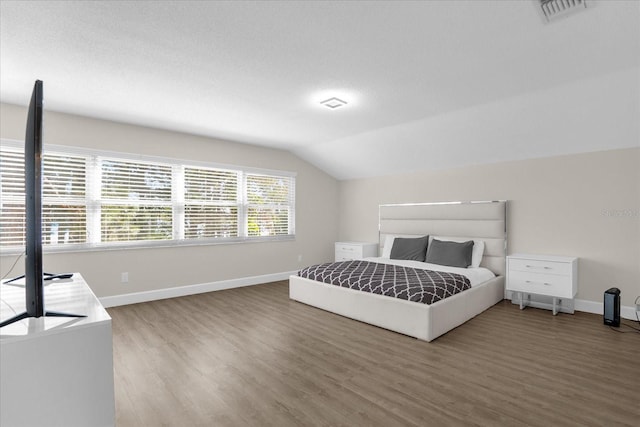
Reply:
x=34, y=274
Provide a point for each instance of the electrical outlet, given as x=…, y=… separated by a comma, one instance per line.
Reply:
x=300, y=258
x=124, y=277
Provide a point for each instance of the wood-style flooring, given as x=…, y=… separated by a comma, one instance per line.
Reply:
x=252, y=357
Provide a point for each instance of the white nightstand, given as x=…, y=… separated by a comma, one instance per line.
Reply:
x=346, y=251
x=554, y=276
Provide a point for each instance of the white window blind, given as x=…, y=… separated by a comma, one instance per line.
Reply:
x=63, y=199
x=269, y=205
x=211, y=203
x=92, y=199
x=135, y=201
x=64, y=202
x=11, y=198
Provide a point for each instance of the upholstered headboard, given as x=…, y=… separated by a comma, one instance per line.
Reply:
x=474, y=220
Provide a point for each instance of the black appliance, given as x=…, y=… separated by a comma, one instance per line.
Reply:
x=612, y=307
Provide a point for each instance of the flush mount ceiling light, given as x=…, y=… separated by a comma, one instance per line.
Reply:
x=333, y=103
x=552, y=9
x=331, y=97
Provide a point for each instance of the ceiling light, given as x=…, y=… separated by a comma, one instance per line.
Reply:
x=333, y=103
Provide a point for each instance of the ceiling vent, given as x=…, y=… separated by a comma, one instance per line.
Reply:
x=554, y=9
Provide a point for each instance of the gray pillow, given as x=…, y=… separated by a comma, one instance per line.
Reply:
x=409, y=248
x=453, y=254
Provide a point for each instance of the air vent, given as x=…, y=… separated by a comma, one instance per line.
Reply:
x=554, y=9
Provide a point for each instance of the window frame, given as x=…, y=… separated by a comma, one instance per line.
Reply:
x=94, y=201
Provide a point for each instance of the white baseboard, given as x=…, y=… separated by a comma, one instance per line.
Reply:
x=626, y=312
x=180, y=291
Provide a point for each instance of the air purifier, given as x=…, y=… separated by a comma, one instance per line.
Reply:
x=612, y=307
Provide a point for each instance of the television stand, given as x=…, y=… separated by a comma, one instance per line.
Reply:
x=46, y=276
x=26, y=314
x=63, y=365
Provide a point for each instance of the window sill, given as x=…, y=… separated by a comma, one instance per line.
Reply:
x=150, y=245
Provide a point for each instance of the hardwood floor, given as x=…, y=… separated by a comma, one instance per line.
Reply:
x=251, y=357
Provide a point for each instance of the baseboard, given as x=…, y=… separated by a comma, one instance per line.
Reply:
x=180, y=291
x=626, y=312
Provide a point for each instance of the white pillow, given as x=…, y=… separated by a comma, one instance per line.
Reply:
x=388, y=244
x=476, y=254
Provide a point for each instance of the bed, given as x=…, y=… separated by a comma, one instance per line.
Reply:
x=451, y=221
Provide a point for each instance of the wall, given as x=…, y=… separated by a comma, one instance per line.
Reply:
x=161, y=268
x=586, y=205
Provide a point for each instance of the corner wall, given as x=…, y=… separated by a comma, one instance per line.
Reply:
x=154, y=269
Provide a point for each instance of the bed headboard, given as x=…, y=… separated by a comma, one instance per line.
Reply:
x=480, y=220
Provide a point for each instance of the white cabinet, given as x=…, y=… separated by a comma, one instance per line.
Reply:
x=56, y=371
x=553, y=276
x=346, y=251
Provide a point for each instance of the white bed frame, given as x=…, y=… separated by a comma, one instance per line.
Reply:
x=479, y=220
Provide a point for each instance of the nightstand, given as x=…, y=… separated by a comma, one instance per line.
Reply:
x=553, y=276
x=346, y=251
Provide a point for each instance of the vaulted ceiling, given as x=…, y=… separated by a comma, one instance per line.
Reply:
x=429, y=84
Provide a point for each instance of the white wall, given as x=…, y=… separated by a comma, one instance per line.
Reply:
x=160, y=268
x=585, y=205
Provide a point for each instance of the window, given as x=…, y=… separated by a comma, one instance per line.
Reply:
x=12, y=198
x=210, y=203
x=96, y=199
x=269, y=203
x=135, y=201
x=64, y=207
x=63, y=199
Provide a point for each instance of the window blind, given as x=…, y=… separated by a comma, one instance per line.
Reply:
x=269, y=205
x=11, y=198
x=99, y=199
x=64, y=202
x=135, y=201
x=63, y=199
x=211, y=203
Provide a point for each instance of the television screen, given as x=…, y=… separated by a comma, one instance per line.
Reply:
x=34, y=274
x=34, y=285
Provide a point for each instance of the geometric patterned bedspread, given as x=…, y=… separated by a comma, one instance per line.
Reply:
x=412, y=284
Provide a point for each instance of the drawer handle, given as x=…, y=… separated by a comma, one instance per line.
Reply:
x=544, y=283
x=535, y=266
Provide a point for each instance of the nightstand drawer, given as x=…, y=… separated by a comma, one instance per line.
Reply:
x=347, y=255
x=544, y=284
x=346, y=251
x=538, y=266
